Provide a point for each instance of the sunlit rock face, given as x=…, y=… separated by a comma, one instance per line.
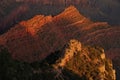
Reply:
x=100, y=10
x=71, y=50
x=85, y=61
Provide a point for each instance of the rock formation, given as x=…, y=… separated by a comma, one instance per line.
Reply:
x=40, y=35
x=36, y=38
x=72, y=48
x=87, y=61
x=100, y=10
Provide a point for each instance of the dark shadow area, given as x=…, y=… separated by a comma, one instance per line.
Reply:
x=51, y=59
x=18, y=70
x=116, y=65
x=70, y=75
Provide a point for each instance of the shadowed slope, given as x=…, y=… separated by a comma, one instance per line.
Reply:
x=106, y=38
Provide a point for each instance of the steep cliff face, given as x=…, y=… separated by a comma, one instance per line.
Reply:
x=86, y=61
x=70, y=51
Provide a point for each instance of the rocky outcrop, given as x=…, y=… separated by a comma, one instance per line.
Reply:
x=69, y=14
x=86, y=61
x=69, y=52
